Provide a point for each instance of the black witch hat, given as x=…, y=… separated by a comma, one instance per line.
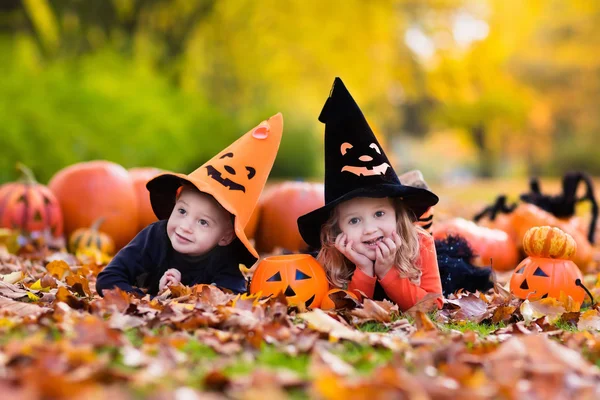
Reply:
x=355, y=165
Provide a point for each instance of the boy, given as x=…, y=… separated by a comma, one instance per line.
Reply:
x=200, y=237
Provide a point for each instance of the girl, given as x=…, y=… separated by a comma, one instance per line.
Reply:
x=370, y=243
x=365, y=233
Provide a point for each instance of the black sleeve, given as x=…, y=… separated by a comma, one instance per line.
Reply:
x=133, y=261
x=231, y=279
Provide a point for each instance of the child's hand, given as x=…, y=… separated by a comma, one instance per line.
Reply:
x=171, y=277
x=386, y=254
x=361, y=261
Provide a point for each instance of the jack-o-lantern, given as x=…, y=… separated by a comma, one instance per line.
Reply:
x=29, y=206
x=338, y=298
x=299, y=276
x=539, y=275
x=235, y=181
x=363, y=161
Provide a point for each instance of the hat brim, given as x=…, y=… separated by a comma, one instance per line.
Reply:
x=415, y=199
x=163, y=191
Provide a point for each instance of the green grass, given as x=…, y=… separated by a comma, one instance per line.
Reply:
x=482, y=329
x=566, y=326
x=373, y=326
x=363, y=358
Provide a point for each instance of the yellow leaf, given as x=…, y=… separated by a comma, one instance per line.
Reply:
x=58, y=269
x=33, y=296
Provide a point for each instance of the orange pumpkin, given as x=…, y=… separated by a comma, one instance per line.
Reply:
x=280, y=208
x=29, y=206
x=486, y=243
x=328, y=304
x=538, y=277
x=527, y=216
x=299, y=276
x=89, y=190
x=91, y=238
x=140, y=177
x=548, y=242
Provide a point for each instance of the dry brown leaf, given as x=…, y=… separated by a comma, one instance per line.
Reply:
x=471, y=308
x=79, y=284
x=322, y=322
x=503, y=314
x=12, y=307
x=379, y=311
x=12, y=291
x=423, y=322
x=589, y=320
x=549, y=308
x=58, y=269
x=426, y=304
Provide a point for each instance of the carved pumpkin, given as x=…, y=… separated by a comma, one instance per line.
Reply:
x=539, y=277
x=299, y=276
x=91, y=238
x=527, y=216
x=29, y=206
x=342, y=301
x=140, y=177
x=90, y=190
x=280, y=208
x=486, y=243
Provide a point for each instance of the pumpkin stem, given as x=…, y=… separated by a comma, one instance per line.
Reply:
x=97, y=224
x=581, y=285
x=26, y=174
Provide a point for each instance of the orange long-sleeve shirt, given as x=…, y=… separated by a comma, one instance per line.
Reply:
x=400, y=290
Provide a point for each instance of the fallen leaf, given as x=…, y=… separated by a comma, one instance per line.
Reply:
x=549, y=308
x=58, y=269
x=322, y=322
x=589, y=320
x=471, y=308
x=14, y=277
x=19, y=308
x=380, y=311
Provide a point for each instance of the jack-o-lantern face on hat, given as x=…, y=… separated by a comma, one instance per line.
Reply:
x=363, y=161
x=218, y=176
x=299, y=276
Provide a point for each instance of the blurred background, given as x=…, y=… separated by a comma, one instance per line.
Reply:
x=459, y=89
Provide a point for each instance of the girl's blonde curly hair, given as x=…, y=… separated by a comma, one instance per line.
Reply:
x=339, y=269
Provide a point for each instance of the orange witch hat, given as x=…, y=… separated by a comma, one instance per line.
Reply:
x=235, y=177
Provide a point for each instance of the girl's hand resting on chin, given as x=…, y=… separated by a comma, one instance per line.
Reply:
x=386, y=254
x=362, y=262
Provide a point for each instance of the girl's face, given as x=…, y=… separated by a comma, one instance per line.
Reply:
x=197, y=224
x=366, y=221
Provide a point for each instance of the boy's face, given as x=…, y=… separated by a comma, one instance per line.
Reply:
x=366, y=221
x=198, y=224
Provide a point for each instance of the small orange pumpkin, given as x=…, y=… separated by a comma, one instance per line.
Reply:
x=328, y=304
x=549, y=242
x=486, y=243
x=299, y=276
x=91, y=238
x=527, y=216
x=29, y=206
x=540, y=276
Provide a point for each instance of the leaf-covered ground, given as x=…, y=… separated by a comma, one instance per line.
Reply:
x=59, y=339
